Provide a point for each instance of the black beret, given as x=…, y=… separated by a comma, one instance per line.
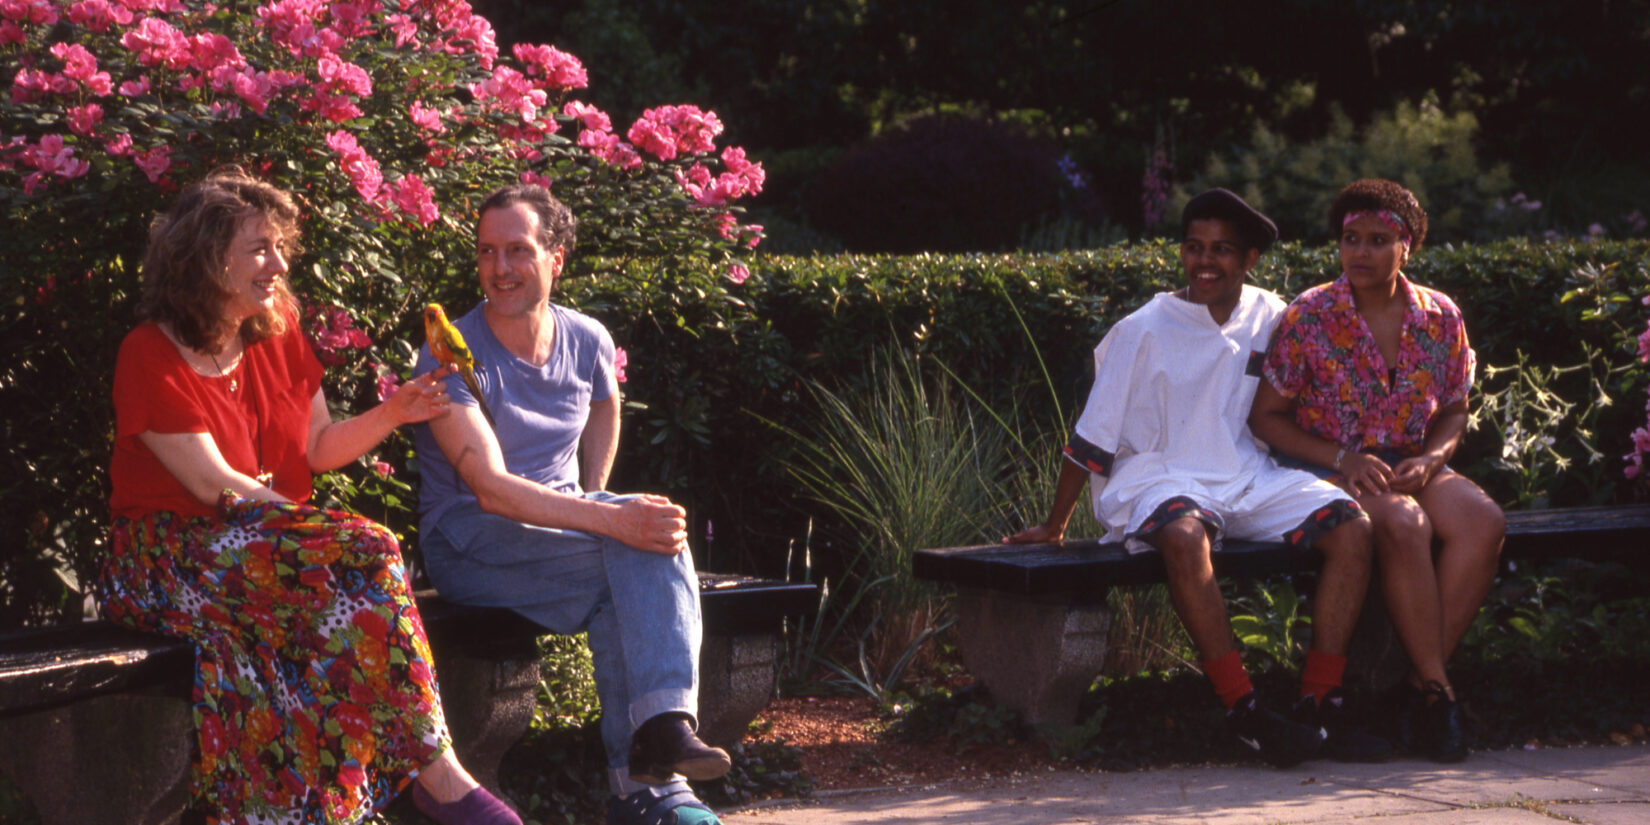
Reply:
x=1222, y=204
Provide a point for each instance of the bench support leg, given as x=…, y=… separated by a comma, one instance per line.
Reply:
x=736, y=676
x=1037, y=656
x=1375, y=658
x=116, y=758
x=488, y=700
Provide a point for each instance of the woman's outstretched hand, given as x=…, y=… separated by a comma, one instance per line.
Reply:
x=420, y=399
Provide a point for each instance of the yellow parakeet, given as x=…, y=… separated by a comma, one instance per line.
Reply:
x=448, y=347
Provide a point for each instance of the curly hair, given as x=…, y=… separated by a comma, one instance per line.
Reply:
x=557, y=226
x=185, y=266
x=1376, y=195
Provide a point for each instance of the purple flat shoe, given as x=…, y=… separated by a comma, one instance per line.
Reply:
x=478, y=807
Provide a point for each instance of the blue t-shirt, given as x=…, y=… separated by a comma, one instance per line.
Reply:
x=540, y=412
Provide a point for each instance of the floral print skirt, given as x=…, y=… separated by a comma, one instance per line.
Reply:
x=315, y=699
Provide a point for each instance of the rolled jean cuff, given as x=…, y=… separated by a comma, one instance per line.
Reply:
x=668, y=700
x=618, y=779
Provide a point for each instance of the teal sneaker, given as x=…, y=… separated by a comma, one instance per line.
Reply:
x=645, y=808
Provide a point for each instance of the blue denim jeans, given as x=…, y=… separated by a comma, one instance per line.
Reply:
x=640, y=608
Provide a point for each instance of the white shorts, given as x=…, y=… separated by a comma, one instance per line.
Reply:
x=1289, y=506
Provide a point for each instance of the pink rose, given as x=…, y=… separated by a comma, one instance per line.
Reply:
x=474, y=30
x=343, y=76
x=383, y=469
x=388, y=383
x=133, y=88
x=156, y=42
x=212, y=50
x=358, y=165
x=119, y=146
x=621, y=359
x=77, y=62
x=403, y=27
x=608, y=147
x=38, y=12
x=83, y=119
x=415, y=198
x=428, y=119
x=559, y=69
x=737, y=273
x=98, y=15
x=653, y=137
x=588, y=115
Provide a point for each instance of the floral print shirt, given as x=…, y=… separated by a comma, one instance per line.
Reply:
x=1324, y=358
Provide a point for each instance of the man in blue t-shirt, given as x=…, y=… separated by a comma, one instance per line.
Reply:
x=516, y=515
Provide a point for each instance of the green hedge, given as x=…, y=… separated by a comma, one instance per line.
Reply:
x=707, y=369
x=709, y=388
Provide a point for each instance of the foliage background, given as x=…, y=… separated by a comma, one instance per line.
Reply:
x=1555, y=92
x=1490, y=109
x=705, y=371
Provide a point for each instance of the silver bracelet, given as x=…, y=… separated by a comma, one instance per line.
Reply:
x=1339, y=454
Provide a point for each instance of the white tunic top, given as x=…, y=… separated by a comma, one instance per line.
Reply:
x=1170, y=403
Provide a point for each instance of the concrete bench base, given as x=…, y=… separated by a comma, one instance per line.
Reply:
x=1032, y=620
x=101, y=733
x=66, y=761
x=1036, y=655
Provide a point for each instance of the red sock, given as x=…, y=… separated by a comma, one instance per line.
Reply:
x=1231, y=681
x=1321, y=674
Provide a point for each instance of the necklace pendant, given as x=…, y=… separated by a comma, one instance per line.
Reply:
x=266, y=479
x=234, y=385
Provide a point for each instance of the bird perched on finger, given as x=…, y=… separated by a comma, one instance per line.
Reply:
x=448, y=347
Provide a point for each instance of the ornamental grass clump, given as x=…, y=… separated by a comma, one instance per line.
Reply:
x=387, y=119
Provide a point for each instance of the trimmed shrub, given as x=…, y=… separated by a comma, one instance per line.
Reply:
x=705, y=370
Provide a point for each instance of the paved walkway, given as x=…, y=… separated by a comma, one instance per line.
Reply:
x=1595, y=785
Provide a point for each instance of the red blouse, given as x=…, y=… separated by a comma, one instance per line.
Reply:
x=258, y=415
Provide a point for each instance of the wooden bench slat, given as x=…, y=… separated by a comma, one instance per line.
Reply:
x=736, y=605
x=1087, y=567
x=45, y=666
x=40, y=668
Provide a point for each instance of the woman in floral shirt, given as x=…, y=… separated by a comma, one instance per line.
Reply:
x=1366, y=383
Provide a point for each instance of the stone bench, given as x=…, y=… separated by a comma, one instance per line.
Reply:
x=95, y=718
x=1032, y=619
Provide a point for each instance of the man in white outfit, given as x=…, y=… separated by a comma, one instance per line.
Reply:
x=1164, y=446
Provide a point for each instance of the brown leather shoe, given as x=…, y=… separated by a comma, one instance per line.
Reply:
x=666, y=745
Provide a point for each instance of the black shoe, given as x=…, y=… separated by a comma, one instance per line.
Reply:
x=1399, y=706
x=1441, y=726
x=674, y=808
x=1344, y=741
x=1277, y=740
x=666, y=745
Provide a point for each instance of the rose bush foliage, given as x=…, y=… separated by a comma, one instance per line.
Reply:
x=387, y=119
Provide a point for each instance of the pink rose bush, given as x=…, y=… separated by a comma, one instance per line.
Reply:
x=356, y=106
x=147, y=91
x=387, y=120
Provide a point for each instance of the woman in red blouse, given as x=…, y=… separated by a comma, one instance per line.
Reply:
x=314, y=694
x=1366, y=383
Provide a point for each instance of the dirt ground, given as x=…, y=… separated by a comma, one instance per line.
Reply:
x=841, y=747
